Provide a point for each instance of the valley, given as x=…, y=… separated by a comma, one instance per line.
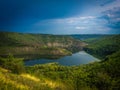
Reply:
x=102, y=75
x=59, y=44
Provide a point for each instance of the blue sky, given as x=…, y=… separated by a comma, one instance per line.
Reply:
x=60, y=16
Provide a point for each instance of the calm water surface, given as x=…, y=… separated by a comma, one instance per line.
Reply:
x=75, y=59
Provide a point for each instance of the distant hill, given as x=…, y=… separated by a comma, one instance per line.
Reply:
x=88, y=36
x=38, y=44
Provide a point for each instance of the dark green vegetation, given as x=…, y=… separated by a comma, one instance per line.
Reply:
x=31, y=45
x=88, y=36
x=103, y=47
x=104, y=75
x=15, y=65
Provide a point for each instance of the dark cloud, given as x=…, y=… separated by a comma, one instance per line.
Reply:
x=12, y=11
x=105, y=2
x=20, y=15
x=113, y=15
x=113, y=18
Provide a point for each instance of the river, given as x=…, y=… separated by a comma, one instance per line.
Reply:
x=75, y=59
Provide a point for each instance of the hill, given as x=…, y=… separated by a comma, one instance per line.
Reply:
x=104, y=46
x=88, y=36
x=21, y=44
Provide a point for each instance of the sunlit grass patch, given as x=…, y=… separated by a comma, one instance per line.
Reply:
x=7, y=82
x=3, y=70
x=30, y=77
x=53, y=84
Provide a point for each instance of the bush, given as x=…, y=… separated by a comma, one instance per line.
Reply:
x=15, y=65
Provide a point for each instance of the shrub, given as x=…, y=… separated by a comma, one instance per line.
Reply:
x=15, y=65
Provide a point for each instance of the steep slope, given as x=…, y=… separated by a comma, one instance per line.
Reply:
x=10, y=81
x=38, y=44
x=41, y=40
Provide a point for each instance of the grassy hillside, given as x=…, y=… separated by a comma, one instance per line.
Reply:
x=10, y=81
x=37, y=44
x=103, y=47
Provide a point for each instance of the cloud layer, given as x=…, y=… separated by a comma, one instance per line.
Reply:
x=113, y=19
x=71, y=25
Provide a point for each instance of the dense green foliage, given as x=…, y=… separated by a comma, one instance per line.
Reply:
x=103, y=46
x=88, y=36
x=13, y=64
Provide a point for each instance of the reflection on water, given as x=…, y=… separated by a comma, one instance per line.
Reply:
x=75, y=59
x=37, y=56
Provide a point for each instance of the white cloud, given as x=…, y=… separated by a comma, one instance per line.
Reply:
x=80, y=28
x=81, y=24
x=72, y=20
x=86, y=17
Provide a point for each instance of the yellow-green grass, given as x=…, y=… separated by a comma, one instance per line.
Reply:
x=10, y=81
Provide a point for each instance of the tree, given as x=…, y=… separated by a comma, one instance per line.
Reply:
x=15, y=65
